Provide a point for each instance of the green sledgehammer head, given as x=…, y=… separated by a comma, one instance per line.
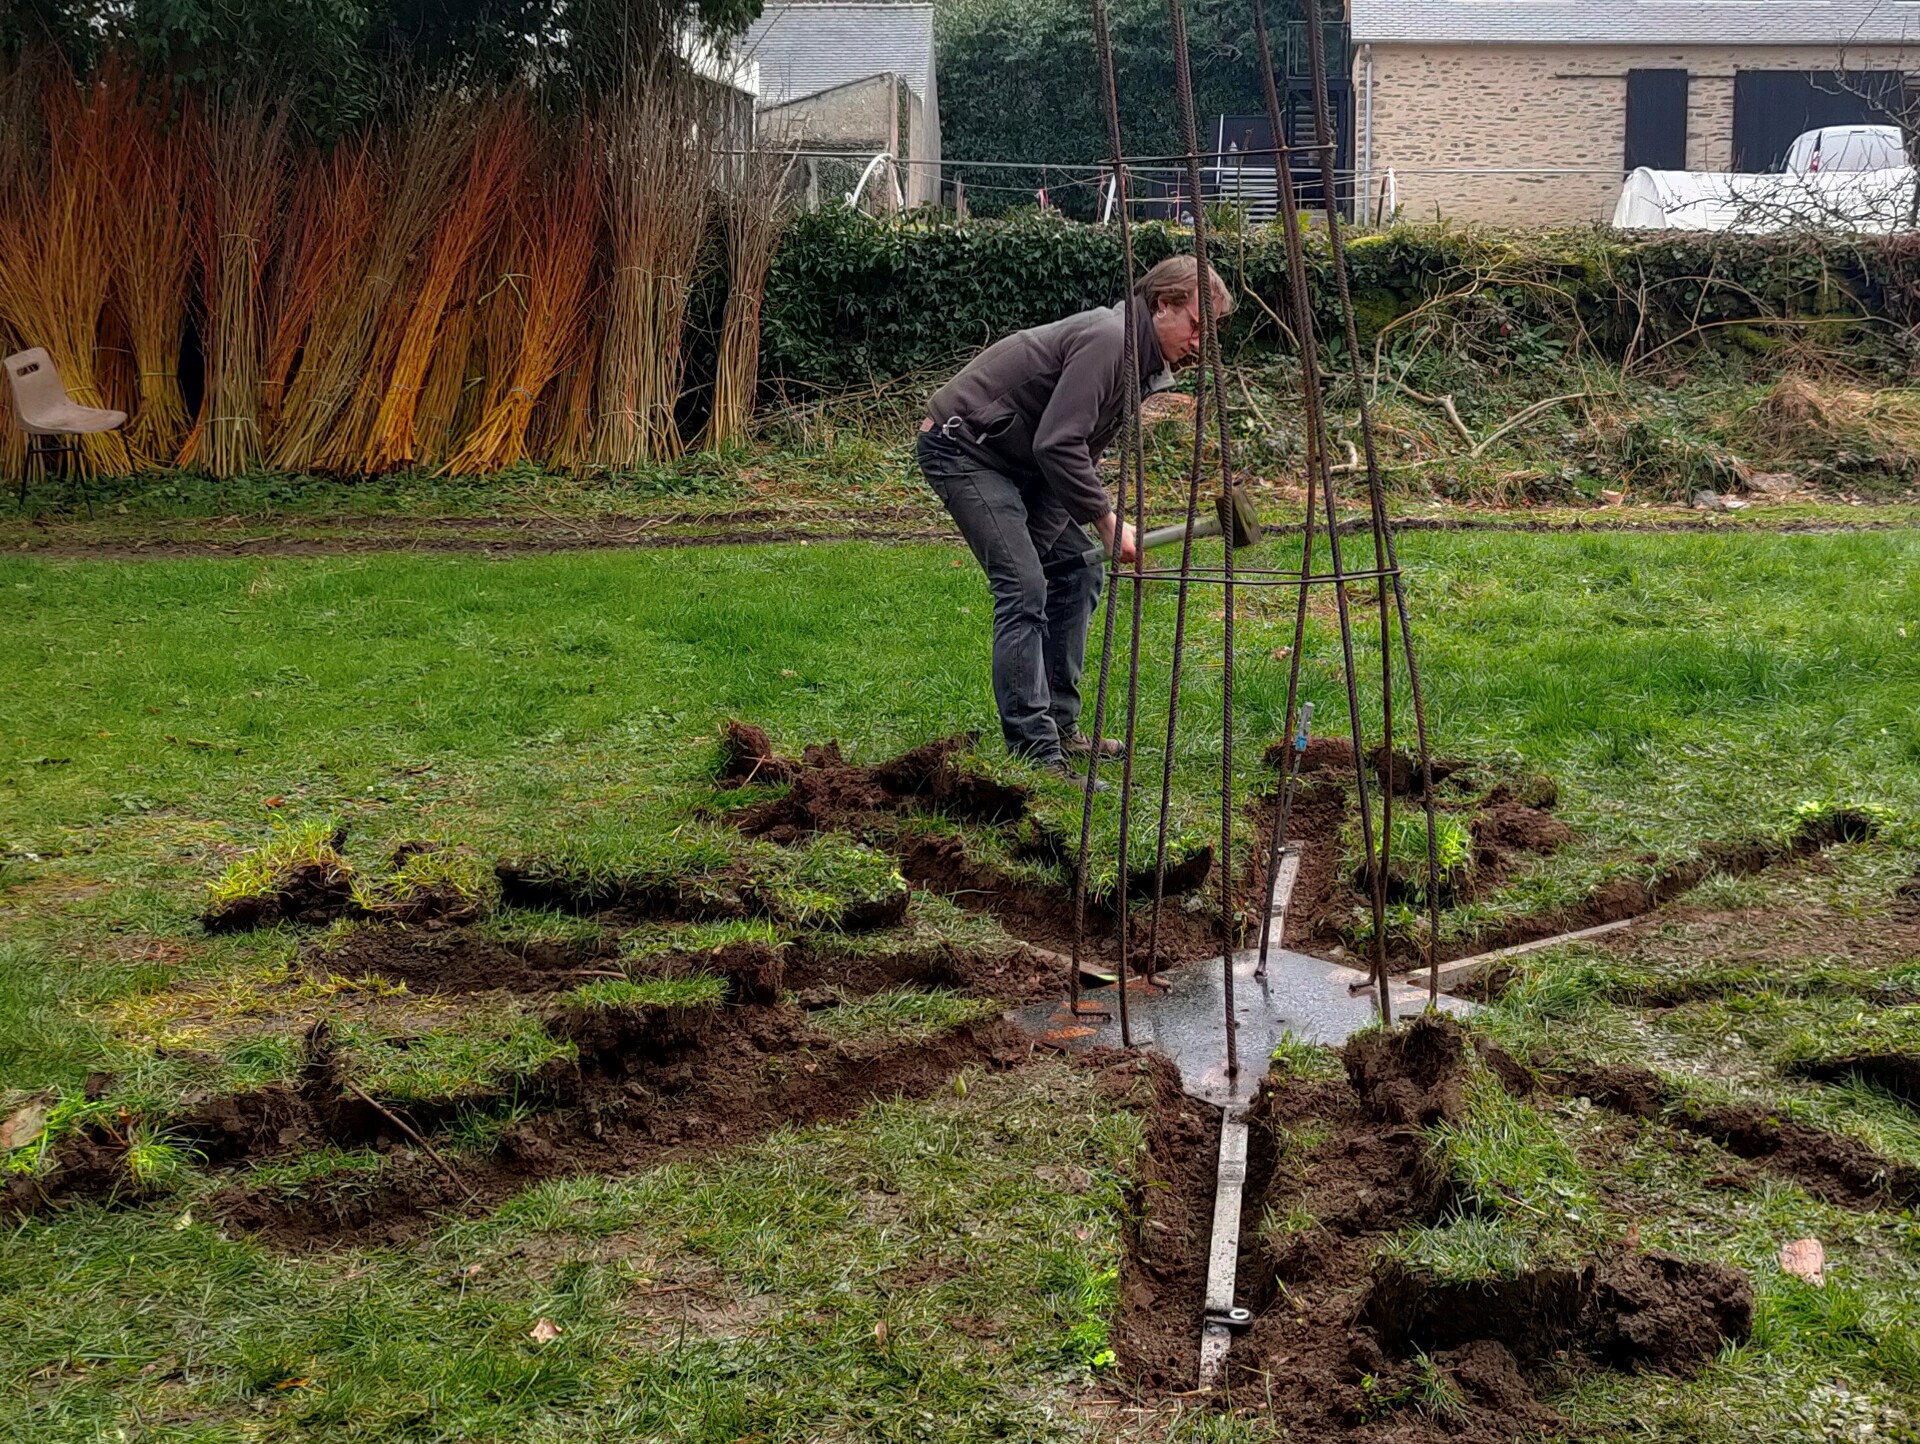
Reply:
x=1234, y=516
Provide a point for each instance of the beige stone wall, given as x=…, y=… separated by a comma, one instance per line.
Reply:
x=1506, y=108
x=858, y=118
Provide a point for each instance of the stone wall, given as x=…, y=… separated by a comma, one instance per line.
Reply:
x=1549, y=108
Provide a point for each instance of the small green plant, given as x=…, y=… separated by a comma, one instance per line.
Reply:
x=155, y=1164
x=261, y=872
x=1294, y=1057
x=835, y=882
x=1435, y=1393
x=1091, y=1304
x=440, y=882
x=1378, y=1399
x=1510, y=1159
x=698, y=938
x=695, y=991
x=1407, y=870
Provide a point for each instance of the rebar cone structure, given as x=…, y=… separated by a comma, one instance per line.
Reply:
x=1129, y=581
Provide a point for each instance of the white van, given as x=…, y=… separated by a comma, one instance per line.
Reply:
x=1848, y=148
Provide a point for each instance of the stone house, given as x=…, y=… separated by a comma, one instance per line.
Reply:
x=1532, y=112
x=841, y=83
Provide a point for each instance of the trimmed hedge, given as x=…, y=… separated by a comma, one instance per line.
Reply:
x=853, y=300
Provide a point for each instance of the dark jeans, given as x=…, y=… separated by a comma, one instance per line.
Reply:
x=1045, y=575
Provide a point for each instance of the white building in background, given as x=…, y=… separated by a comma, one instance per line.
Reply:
x=850, y=81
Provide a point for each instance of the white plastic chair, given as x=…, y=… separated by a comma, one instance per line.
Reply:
x=50, y=417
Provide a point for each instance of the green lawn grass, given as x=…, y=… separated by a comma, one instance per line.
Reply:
x=156, y=719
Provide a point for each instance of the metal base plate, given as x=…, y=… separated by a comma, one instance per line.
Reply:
x=1309, y=998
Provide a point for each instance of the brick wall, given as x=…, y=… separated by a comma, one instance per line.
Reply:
x=1505, y=107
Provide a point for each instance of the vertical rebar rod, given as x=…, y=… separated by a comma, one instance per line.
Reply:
x=1210, y=366
x=1300, y=303
x=1386, y=552
x=1132, y=459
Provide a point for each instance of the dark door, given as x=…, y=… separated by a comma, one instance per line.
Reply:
x=1772, y=108
x=1657, y=119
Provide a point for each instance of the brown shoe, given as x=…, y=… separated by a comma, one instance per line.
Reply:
x=1081, y=745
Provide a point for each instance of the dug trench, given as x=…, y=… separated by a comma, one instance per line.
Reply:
x=1503, y=824
x=823, y=792
x=649, y=1083
x=1339, y=1333
x=1828, y=1165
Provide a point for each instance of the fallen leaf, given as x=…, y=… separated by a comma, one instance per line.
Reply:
x=1613, y=498
x=299, y=1383
x=880, y=1332
x=1805, y=1258
x=1280, y=654
x=1633, y=1237
x=544, y=1332
x=24, y=1125
x=958, y=562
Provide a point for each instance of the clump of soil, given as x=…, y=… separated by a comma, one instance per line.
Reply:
x=1043, y=915
x=1510, y=825
x=1335, y=1166
x=1653, y=1310
x=830, y=794
x=318, y=892
x=1533, y=1315
x=464, y=961
x=746, y=755
x=1505, y=824
x=322, y=889
x=1829, y=1165
x=622, y=1041
x=1620, y=1087
x=1413, y=1075
x=539, y=882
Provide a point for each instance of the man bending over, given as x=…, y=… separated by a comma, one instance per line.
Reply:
x=1011, y=445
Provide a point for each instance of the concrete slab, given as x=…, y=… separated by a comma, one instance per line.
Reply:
x=1309, y=998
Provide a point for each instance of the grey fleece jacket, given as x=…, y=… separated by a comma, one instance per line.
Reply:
x=1040, y=406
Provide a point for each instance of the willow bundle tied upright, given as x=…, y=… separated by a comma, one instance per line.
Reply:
x=329, y=218
x=758, y=200
x=496, y=161
x=56, y=262
x=153, y=241
x=563, y=233
x=245, y=150
x=658, y=186
x=319, y=421
x=21, y=141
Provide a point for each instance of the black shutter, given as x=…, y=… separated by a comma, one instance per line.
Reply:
x=1773, y=108
x=1657, y=119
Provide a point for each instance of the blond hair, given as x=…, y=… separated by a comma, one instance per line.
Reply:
x=1177, y=278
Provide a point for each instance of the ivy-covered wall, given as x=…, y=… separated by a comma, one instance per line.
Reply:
x=852, y=300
